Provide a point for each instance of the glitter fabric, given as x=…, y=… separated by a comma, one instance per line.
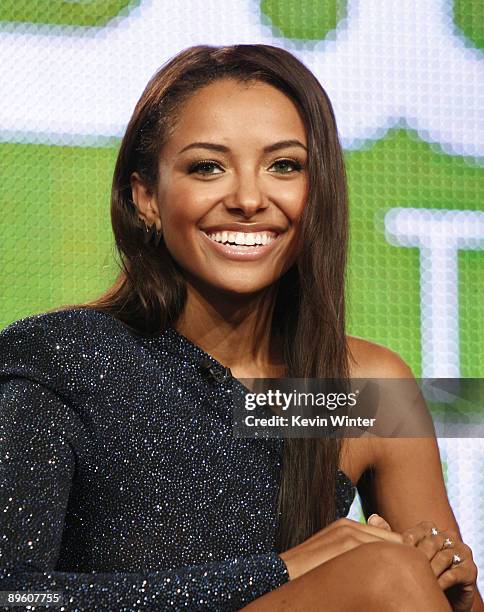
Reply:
x=122, y=485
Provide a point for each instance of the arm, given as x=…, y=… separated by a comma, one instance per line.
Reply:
x=398, y=488
x=38, y=459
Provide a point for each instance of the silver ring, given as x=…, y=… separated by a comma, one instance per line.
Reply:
x=447, y=543
x=434, y=531
x=456, y=559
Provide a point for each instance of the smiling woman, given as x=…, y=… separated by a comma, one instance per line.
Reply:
x=252, y=188
x=229, y=211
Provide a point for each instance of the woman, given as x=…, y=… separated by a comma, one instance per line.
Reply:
x=124, y=487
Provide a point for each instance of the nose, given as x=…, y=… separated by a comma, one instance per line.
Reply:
x=246, y=197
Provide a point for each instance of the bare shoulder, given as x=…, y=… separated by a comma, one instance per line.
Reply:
x=372, y=360
x=399, y=477
x=368, y=359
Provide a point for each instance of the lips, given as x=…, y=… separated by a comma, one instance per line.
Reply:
x=237, y=252
x=245, y=228
x=243, y=238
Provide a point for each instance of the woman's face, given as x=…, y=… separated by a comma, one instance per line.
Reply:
x=245, y=177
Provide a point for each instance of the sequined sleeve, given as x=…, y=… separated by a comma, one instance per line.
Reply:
x=39, y=435
x=48, y=373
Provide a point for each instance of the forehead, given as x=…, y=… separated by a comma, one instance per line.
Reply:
x=229, y=109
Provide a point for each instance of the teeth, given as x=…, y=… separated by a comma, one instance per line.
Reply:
x=242, y=238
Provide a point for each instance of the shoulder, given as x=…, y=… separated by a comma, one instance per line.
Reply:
x=58, y=348
x=80, y=324
x=407, y=422
x=395, y=393
x=371, y=360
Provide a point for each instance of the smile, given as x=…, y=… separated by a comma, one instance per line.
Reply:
x=243, y=238
x=242, y=246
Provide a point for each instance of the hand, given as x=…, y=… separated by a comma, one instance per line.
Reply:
x=458, y=580
x=337, y=538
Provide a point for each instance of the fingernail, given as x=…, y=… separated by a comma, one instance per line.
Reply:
x=374, y=517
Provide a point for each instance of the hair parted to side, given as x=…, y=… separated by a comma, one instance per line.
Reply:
x=309, y=314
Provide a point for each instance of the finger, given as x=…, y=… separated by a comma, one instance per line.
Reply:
x=447, y=579
x=443, y=561
x=349, y=538
x=431, y=545
x=383, y=534
x=364, y=537
x=463, y=573
x=458, y=558
x=415, y=534
x=378, y=521
x=466, y=593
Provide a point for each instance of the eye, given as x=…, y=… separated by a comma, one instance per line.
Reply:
x=297, y=166
x=200, y=167
x=206, y=166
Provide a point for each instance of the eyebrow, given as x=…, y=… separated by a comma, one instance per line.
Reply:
x=281, y=144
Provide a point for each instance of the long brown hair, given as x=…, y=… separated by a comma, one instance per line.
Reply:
x=309, y=312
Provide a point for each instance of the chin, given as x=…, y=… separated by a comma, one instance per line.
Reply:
x=240, y=289
x=224, y=284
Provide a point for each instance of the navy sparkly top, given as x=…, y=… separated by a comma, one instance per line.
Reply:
x=121, y=484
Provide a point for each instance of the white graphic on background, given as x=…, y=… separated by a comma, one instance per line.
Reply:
x=439, y=235
x=390, y=61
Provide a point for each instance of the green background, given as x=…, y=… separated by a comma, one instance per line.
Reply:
x=57, y=247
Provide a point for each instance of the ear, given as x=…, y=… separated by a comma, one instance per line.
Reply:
x=145, y=201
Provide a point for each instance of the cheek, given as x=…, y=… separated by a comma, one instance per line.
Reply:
x=293, y=200
x=294, y=210
x=180, y=215
x=180, y=222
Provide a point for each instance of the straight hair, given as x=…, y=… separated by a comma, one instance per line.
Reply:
x=149, y=292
